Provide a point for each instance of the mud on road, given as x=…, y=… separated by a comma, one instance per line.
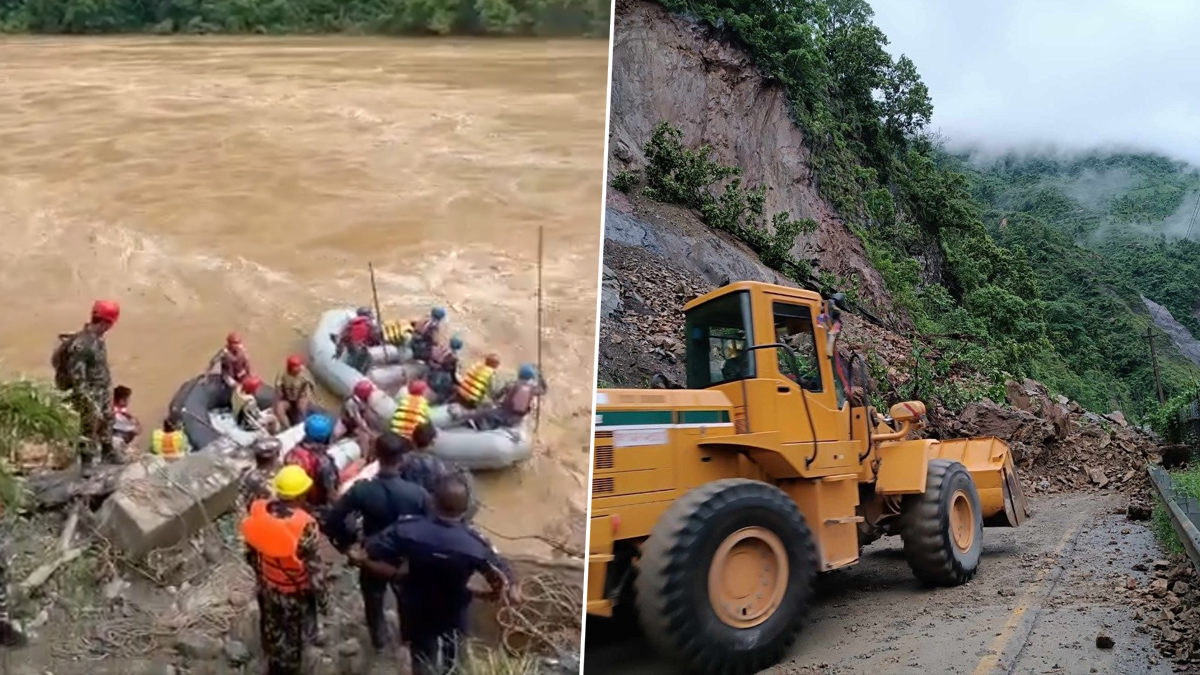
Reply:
x=1043, y=593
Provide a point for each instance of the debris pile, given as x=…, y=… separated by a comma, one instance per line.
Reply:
x=1169, y=605
x=1059, y=446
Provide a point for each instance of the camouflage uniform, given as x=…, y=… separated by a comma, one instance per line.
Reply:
x=10, y=636
x=255, y=485
x=287, y=621
x=85, y=362
x=427, y=470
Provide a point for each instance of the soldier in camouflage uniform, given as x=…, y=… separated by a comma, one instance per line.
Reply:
x=282, y=548
x=81, y=370
x=256, y=483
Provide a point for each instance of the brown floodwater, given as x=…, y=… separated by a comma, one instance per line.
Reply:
x=212, y=185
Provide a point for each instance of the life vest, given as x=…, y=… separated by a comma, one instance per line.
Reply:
x=474, y=385
x=519, y=399
x=427, y=328
x=123, y=421
x=167, y=444
x=293, y=387
x=442, y=356
x=411, y=412
x=397, y=332
x=308, y=459
x=358, y=331
x=276, y=541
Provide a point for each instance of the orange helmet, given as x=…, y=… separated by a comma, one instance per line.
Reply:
x=363, y=390
x=294, y=363
x=418, y=388
x=233, y=340
x=492, y=361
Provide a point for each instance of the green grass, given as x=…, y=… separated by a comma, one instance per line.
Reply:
x=30, y=411
x=1189, y=481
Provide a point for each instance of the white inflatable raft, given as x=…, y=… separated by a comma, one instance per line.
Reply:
x=474, y=450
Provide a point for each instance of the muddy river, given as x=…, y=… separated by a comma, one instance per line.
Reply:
x=212, y=185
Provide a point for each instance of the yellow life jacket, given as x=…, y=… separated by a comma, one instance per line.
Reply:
x=170, y=445
x=397, y=332
x=474, y=385
x=411, y=412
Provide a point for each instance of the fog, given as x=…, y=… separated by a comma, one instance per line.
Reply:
x=1069, y=74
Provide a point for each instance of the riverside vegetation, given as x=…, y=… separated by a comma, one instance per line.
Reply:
x=386, y=17
x=1038, y=277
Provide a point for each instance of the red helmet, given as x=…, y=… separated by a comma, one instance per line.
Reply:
x=363, y=390
x=233, y=339
x=107, y=311
x=294, y=363
x=418, y=387
x=251, y=383
x=492, y=361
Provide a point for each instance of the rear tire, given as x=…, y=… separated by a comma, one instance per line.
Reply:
x=725, y=578
x=942, y=529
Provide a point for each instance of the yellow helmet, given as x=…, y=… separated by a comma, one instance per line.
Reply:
x=292, y=482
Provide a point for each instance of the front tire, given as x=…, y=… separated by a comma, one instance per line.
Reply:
x=725, y=578
x=942, y=529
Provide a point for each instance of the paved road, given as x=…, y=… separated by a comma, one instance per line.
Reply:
x=1043, y=592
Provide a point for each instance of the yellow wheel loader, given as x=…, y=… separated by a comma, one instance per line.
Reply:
x=714, y=507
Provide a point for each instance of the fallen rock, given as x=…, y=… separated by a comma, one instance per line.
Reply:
x=1104, y=640
x=1158, y=588
x=172, y=503
x=1138, y=511
x=1118, y=417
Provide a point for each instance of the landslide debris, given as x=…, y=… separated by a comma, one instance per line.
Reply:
x=1168, y=604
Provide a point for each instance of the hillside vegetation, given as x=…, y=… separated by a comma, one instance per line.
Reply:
x=1026, y=300
x=387, y=17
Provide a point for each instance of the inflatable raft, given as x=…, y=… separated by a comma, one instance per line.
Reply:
x=474, y=450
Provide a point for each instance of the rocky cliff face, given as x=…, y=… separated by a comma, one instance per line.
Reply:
x=1179, y=334
x=666, y=67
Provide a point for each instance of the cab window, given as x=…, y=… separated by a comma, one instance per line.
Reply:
x=794, y=328
x=718, y=335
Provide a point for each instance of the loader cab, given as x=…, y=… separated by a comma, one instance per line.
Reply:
x=767, y=349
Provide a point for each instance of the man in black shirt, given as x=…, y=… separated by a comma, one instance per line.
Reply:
x=380, y=501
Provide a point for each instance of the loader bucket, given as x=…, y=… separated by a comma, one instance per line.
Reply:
x=990, y=463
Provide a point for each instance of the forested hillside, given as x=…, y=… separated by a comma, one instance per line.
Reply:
x=1028, y=299
x=389, y=17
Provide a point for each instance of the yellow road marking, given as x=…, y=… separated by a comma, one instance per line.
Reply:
x=989, y=662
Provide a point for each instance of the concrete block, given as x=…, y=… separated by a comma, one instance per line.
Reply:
x=170, y=503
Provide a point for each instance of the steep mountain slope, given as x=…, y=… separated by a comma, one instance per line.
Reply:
x=784, y=144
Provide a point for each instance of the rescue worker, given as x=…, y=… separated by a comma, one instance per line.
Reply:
x=356, y=418
x=443, y=369
x=282, y=548
x=354, y=342
x=425, y=333
x=126, y=427
x=398, y=333
x=293, y=390
x=247, y=412
x=169, y=442
x=426, y=469
x=80, y=362
x=515, y=401
x=380, y=501
x=411, y=410
x=312, y=456
x=231, y=363
x=475, y=386
x=256, y=483
x=442, y=553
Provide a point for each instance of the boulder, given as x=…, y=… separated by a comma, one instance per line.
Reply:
x=610, y=294
x=171, y=503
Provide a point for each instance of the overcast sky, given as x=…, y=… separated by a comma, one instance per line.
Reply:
x=1075, y=73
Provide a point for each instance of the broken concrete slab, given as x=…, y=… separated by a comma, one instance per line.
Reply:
x=171, y=503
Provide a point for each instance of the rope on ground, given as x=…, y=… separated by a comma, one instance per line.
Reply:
x=552, y=543
x=545, y=620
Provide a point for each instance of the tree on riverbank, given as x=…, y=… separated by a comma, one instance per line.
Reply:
x=385, y=17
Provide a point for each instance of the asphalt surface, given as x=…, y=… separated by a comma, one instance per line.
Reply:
x=1042, y=594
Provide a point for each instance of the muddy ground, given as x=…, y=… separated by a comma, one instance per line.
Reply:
x=1043, y=593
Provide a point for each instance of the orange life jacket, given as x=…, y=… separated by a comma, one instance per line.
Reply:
x=474, y=385
x=411, y=412
x=276, y=541
x=166, y=444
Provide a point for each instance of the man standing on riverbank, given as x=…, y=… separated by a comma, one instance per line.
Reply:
x=81, y=370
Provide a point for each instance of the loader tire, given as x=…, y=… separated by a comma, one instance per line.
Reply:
x=725, y=578
x=942, y=529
